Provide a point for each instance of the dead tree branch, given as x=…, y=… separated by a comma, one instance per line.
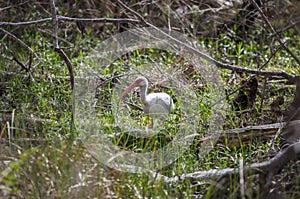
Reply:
x=64, y=57
x=63, y=18
x=274, y=32
x=237, y=69
x=19, y=41
x=269, y=167
x=19, y=62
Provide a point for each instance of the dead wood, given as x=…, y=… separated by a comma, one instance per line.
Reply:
x=291, y=132
x=269, y=167
x=71, y=19
x=274, y=32
x=64, y=57
x=245, y=135
x=219, y=64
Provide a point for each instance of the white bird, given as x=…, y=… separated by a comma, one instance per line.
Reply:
x=156, y=105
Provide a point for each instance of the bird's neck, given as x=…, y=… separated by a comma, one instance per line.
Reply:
x=143, y=90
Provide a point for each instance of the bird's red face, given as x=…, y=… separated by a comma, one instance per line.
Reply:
x=141, y=81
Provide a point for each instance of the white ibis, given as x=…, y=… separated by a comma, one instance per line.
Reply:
x=156, y=105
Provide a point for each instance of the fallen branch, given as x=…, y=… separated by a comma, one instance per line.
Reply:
x=269, y=167
x=249, y=133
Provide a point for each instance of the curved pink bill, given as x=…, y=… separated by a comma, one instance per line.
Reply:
x=129, y=88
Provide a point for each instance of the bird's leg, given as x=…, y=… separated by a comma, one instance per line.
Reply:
x=152, y=123
x=155, y=123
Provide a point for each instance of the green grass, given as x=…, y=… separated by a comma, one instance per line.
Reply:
x=61, y=167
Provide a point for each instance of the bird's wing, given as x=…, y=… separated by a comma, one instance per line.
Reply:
x=162, y=99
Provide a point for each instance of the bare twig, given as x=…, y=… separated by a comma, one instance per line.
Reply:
x=207, y=57
x=269, y=59
x=54, y=24
x=63, y=55
x=13, y=6
x=274, y=32
x=19, y=62
x=285, y=28
x=62, y=18
x=19, y=41
x=102, y=20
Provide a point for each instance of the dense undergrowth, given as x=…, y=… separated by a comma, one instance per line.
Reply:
x=41, y=159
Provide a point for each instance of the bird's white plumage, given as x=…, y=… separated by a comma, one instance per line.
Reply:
x=156, y=105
